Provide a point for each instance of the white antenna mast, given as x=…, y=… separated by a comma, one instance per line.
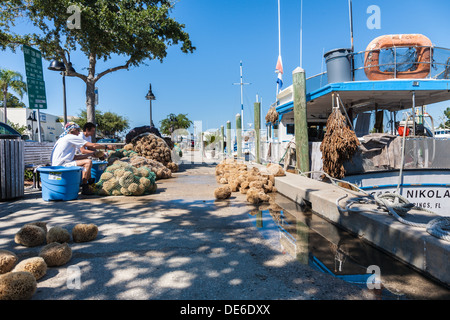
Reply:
x=301, y=34
x=279, y=67
x=279, y=29
x=350, y=14
x=242, y=95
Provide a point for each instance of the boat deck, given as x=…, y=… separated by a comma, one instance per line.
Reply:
x=392, y=94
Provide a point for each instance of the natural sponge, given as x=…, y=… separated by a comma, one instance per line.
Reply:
x=84, y=232
x=56, y=254
x=17, y=286
x=8, y=260
x=36, y=266
x=30, y=236
x=58, y=234
x=41, y=224
x=275, y=169
x=256, y=196
x=222, y=192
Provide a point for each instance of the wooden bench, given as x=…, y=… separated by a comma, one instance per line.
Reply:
x=37, y=154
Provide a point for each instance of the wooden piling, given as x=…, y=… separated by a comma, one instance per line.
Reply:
x=222, y=141
x=257, y=126
x=239, y=135
x=229, y=138
x=300, y=120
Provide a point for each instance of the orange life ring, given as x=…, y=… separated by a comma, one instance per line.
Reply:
x=372, y=56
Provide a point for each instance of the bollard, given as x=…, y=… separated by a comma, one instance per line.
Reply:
x=300, y=120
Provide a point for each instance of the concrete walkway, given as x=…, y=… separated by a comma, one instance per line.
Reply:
x=178, y=243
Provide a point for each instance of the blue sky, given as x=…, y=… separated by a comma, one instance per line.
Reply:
x=226, y=32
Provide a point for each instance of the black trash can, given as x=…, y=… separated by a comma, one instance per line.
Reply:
x=12, y=166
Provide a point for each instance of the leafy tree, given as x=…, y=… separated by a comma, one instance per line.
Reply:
x=17, y=127
x=11, y=80
x=136, y=31
x=173, y=122
x=112, y=124
x=109, y=124
x=447, y=114
x=13, y=102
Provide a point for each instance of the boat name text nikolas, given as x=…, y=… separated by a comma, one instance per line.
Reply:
x=427, y=193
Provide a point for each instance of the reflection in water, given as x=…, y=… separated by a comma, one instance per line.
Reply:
x=315, y=242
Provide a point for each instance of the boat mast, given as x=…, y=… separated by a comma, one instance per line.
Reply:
x=242, y=95
x=279, y=67
x=350, y=13
x=301, y=34
x=279, y=29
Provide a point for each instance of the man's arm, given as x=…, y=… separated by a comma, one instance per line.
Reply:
x=85, y=150
x=80, y=156
x=95, y=146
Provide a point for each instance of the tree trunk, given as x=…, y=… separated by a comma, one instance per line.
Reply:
x=90, y=89
x=90, y=101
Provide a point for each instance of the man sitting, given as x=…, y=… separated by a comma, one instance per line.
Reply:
x=63, y=153
x=87, y=134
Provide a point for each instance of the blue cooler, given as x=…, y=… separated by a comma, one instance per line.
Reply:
x=97, y=169
x=60, y=183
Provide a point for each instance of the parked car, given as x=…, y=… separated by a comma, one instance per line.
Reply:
x=7, y=132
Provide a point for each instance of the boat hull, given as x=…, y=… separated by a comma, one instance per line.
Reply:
x=428, y=189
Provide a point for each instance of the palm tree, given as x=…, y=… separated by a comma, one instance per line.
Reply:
x=14, y=80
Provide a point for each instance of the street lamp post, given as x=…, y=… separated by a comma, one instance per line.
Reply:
x=32, y=118
x=150, y=96
x=57, y=65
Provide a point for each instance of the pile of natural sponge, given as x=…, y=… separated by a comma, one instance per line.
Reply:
x=160, y=170
x=121, y=178
x=255, y=183
x=18, y=280
x=153, y=147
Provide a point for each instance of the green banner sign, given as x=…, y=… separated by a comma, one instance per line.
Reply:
x=35, y=78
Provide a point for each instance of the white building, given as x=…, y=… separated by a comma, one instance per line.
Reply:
x=50, y=128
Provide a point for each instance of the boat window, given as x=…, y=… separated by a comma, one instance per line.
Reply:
x=290, y=128
x=398, y=59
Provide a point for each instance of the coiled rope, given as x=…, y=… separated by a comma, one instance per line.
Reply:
x=438, y=227
x=394, y=203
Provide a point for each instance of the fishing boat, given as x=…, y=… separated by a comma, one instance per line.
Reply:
x=384, y=92
x=442, y=133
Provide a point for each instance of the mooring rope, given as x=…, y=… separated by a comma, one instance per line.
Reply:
x=394, y=203
x=438, y=227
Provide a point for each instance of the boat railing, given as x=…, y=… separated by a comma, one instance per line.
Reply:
x=400, y=62
x=317, y=81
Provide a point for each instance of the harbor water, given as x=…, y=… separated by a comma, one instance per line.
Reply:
x=311, y=240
